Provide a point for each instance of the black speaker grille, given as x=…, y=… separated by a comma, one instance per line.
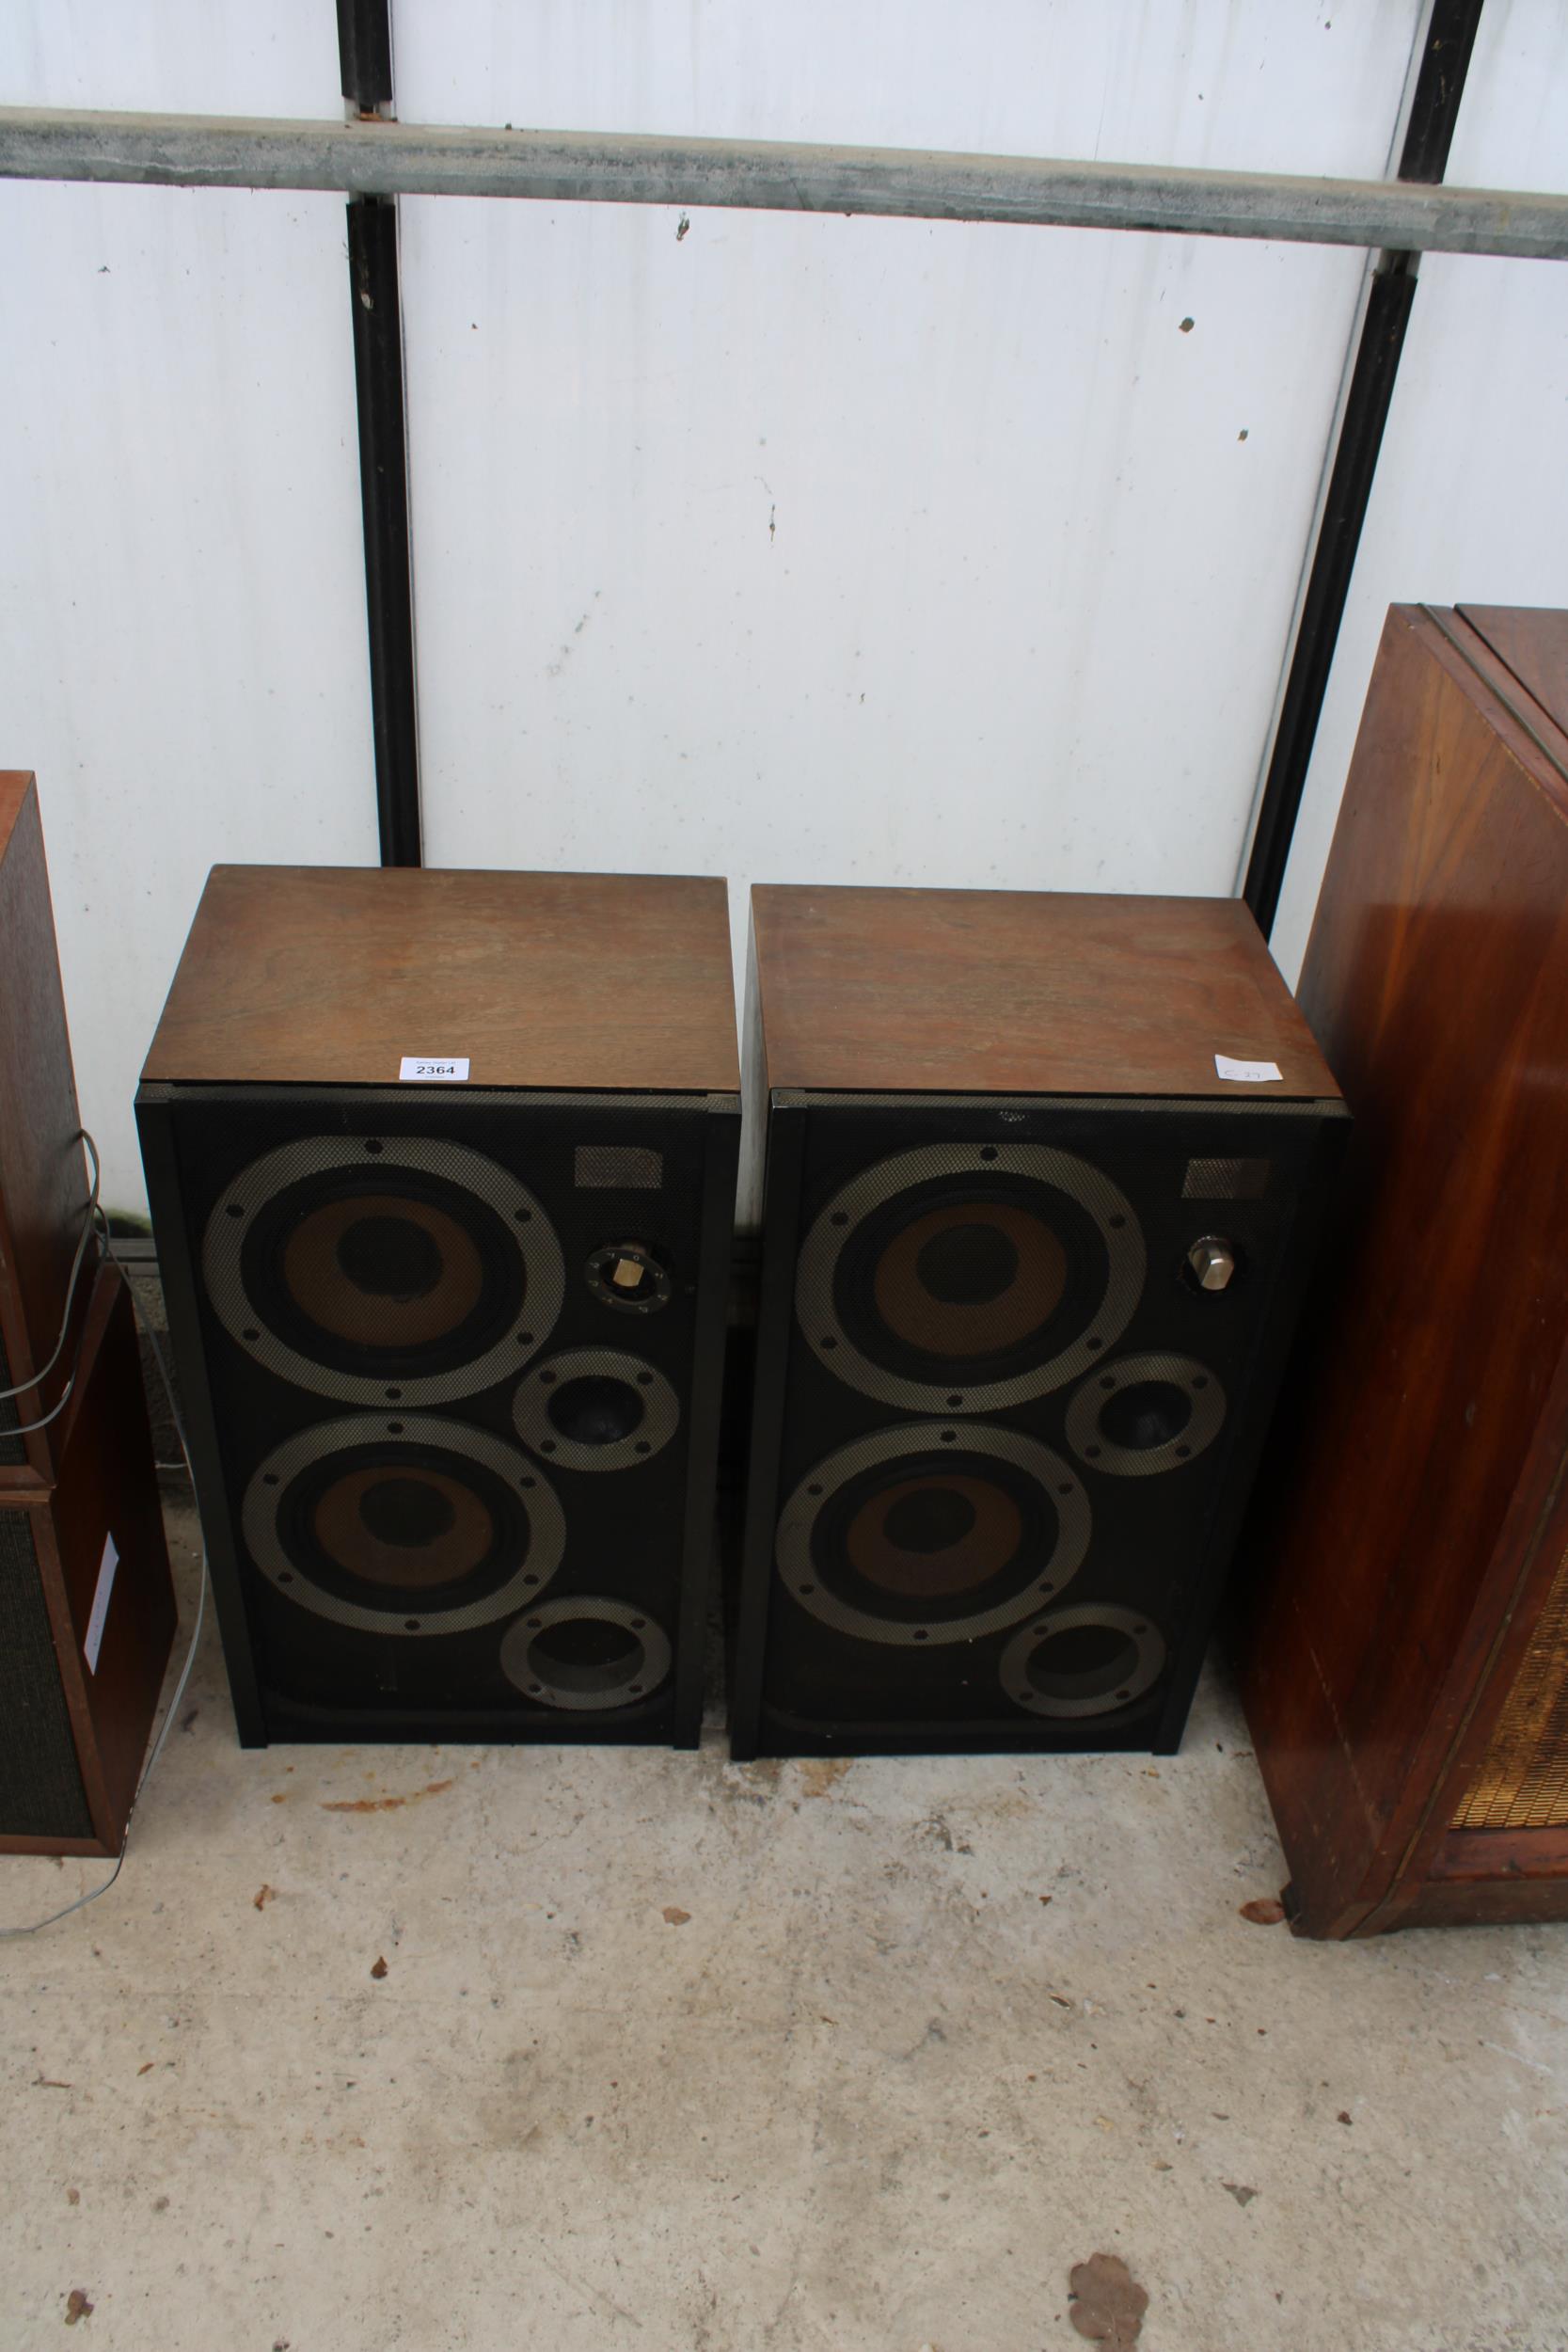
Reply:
x=40, y=1784
x=1057, y=1229
x=350, y=1655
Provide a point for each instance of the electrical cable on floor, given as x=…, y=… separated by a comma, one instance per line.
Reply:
x=33, y=1927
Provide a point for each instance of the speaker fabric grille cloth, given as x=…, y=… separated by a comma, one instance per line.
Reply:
x=455, y=1461
x=1523, y=1780
x=1013, y=1430
x=41, y=1793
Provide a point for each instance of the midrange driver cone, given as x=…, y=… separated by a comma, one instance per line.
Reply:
x=1084, y=1661
x=1144, y=1414
x=969, y=1278
x=586, y=1653
x=932, y=1532
x=392, y=1269
x=595, y=1408
x=413, y=1526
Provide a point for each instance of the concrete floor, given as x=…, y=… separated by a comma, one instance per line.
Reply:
x=670, y=2053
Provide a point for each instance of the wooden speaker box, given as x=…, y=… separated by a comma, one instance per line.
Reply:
x=43, y=1185
x=1406, y=1673
x=1044, y=1176
x=442, y=1168
x=86, y=1607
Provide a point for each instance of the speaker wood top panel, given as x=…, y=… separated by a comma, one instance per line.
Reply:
x=1003, y=992
x=332, y=974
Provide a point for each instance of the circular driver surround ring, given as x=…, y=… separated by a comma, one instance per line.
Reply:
x=530, y=1409
x=645, y=1676
x=1088, y=1186
x=517, y=1209
x=801, y=1579
x=1206, y=1418
x=272, y=1478
x=1146, y=1637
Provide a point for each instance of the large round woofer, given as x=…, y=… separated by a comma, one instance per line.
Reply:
x=932, y=1532
x=586, y=1653
x=594, y=1408
x=396, y=1269
x=411, y=1526
x=968, y=1277
x=1144, y=1414
x=1091, y=1660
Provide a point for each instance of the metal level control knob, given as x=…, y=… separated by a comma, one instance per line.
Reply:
x=1212, y=1262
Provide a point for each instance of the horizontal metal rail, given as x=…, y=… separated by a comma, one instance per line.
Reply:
x=381, y=158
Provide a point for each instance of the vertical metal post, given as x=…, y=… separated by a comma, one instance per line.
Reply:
x=365, y=45
x=1434, y=112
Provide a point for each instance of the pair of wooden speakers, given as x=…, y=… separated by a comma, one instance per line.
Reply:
x=443, y=1172
x=86, y=1607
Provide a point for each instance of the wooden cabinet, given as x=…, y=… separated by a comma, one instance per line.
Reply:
x=1404, y=1653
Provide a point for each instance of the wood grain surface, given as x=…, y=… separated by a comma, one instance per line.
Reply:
x=1003, y=992
x=107, y=1487
x=1533, y=643
x=330, y=974
x=43, y=1182
x=1408, y=1539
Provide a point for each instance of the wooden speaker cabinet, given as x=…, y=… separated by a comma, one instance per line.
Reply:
x=442, y=1168
x=1406, y=1671
x=86, y=1607
x=43, y=1183
x=1044, y=1175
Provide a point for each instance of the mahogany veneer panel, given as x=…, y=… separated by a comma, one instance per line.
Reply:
x=1534, y=644
x=1417, y=1525
x=330, y=974
x=43, y=1187
x=107, y=1489
x=1104, y=995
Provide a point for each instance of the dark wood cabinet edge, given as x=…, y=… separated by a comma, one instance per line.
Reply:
x=1490, y=1655
x=704, y=1405
x=161, y=1166
x=1516, y=1855
x=1535, y=723
x=1529, y=734
x=1471, y=1695
x=784, y=1148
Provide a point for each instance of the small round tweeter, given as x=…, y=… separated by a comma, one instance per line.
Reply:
x=586, y=1653
x=627, y=1275
x=594, y=1408
x=1091, y=1660
x=932, y=1532
x=411, y=1525
x=1146, y=1414
x=383, y=1269
x=969, y=1277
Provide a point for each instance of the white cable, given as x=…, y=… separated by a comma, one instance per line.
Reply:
x=89, y=1218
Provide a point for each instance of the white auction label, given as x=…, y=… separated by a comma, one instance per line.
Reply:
x=106, y=1585
x=431, y=1068
x=1247, y=1072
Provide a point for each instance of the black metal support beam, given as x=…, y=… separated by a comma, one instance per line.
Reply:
x=365, y=47
x=1434, y=112
x=365, y=41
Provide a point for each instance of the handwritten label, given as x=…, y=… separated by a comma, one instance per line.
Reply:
x=430, y=1068
x=106, y=1585
x=1247, y=1072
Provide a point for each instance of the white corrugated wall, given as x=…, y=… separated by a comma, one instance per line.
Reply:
x=786, y=548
